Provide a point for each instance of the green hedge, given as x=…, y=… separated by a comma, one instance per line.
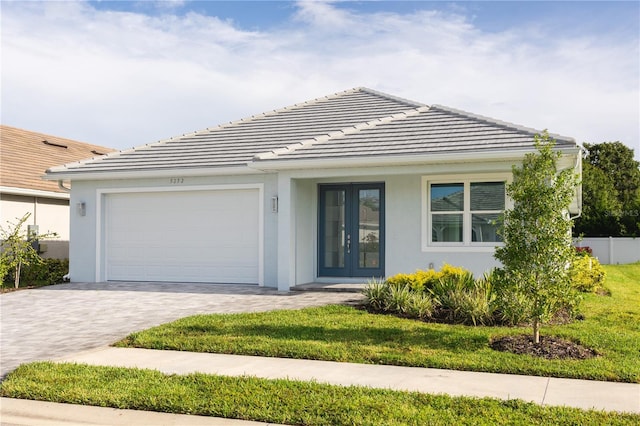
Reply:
x=46, y=272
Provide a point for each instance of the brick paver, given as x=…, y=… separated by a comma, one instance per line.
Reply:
x=58, y=320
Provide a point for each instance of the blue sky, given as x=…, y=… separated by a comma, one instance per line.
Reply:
x=486, y=15
x=122, y=74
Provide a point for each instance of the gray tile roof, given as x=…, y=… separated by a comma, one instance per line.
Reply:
x=355, y=123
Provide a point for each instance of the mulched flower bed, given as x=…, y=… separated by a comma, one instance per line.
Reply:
x=549, y=347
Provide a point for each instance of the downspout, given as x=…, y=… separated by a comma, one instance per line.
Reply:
x=579, y=193
x=66, y=278
x=61, y=186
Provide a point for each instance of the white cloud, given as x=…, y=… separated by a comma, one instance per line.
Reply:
x=122, y=79
x=168, y=4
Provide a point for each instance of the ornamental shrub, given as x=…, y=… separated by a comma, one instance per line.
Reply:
x=403, y=280
x=426, y=279
x=451, y=294
x=460, y=298
x=587, y=275
x=456, y=272
x=376, y=294
x=398, y=300
x=420, y=306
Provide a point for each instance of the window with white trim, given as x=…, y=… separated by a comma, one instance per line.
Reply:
x=464, y=213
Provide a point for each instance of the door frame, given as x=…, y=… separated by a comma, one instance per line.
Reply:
x=351, y=268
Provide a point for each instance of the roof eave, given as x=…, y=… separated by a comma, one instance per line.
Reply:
x=150, y=174
x=33, y=192
x=400, y=160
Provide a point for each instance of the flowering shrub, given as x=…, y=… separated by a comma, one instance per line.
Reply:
x=584, y=251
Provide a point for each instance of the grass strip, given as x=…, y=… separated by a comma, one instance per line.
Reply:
x=277, y=401
x=341, y=333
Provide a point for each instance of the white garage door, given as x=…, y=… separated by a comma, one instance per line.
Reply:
x=191, y=236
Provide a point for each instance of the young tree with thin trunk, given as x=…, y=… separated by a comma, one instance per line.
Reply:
x=16, y=249
x=538, y=249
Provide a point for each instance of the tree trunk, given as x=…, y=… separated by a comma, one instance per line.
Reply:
x=536, y=331
x=16, y=280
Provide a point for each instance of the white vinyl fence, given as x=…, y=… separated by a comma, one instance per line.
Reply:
x=613, y=250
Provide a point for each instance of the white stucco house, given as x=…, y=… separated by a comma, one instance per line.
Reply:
x=343, y=188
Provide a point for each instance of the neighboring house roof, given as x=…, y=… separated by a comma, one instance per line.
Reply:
x=25, y=155
x=357, y=123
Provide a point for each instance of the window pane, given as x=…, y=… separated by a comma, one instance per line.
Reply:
x=446, y=228
x=487, y=196
x=447, y=197
x=334, y=222
x=484, y=227
x=369, y=228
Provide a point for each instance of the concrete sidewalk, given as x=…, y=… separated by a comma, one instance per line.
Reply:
x=584, y=394
x=23, y=412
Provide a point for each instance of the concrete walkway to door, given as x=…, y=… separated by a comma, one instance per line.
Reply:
x=58, y=320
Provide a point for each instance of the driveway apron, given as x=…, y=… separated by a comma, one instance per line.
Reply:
x=53, y=321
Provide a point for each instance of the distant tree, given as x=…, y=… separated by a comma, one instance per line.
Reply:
x=616, y=161
x=601, y=209
x=536, y=232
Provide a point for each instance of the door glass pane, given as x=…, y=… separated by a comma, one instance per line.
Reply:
x=484, y=227
x=334, y=228
x=447, y=197
x=487, y=196
x=446, y=228
x=369, y=228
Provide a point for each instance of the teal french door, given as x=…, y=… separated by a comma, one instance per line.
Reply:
x=351, y=231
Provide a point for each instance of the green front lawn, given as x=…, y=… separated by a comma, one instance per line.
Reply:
x=612, y=327
x=279, y=401
x=340, y=333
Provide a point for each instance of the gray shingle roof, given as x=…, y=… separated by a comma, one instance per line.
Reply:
x=355, y=123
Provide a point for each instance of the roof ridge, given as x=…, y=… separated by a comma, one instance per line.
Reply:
x=269, y=155
x=279, y=110
x=392, y=97
x=501, y=123
x=314, y=101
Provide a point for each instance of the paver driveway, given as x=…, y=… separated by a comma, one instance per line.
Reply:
x=53, y=321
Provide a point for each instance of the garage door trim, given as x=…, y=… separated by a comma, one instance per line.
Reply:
x=101, y=194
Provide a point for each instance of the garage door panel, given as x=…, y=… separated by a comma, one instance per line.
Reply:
x=190, y=236
x=187, y=273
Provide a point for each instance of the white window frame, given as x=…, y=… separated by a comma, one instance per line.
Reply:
x=466, y=245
